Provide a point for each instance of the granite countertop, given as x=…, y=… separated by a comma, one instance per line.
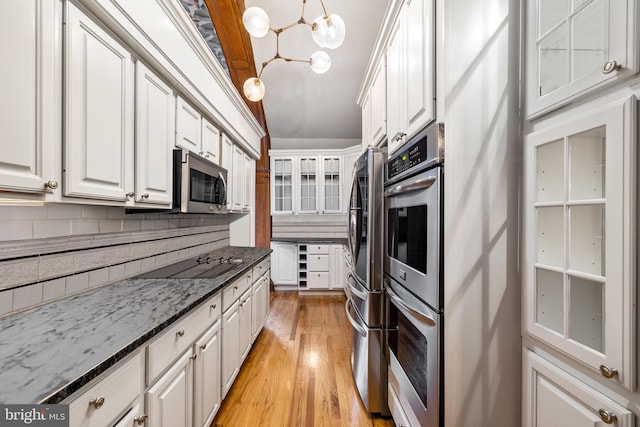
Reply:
x=52, y=351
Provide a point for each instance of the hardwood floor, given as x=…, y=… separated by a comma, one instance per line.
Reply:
x=298, y=372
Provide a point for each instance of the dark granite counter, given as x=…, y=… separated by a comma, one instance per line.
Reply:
x=323, y=240
x=52, y=351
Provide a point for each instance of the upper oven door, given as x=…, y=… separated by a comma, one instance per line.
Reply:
x=413, y=220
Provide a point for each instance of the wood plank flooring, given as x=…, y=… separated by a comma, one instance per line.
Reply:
x=298, y=372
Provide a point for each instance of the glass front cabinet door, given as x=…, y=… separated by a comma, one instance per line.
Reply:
x=579, y=224
x=576, y=45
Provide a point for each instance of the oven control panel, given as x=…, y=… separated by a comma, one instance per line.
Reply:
x=425, y=150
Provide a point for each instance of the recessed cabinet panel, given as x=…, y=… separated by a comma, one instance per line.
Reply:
x=579, y=242
x=30, y=82
x=553, y=397
x=99, y=119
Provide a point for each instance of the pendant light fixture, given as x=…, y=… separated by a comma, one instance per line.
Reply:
x=327, y=31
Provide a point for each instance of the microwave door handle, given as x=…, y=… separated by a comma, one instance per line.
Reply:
x=224, y=188
x=359, y=329
x=418, y=184
x=430, y=321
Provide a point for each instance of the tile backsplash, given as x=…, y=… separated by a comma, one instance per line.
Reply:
x=54, y=251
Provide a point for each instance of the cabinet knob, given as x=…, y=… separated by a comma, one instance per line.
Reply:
x=130, y=194
x=203, y=346
x=201, y=153
x=52, y=184
x=398, y=136
x=607, y=417
x=97, y=402
x=140, y=419
x=610, y=67
x=193, y=356
x=180, y=333
x=145, y=196
x=213, y=306
x=206, y=156
x=608, y=372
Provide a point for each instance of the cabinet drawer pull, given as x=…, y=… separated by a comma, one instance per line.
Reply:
x=607, y=417
x=608, y=372
x=180, y=333
x=610, y=67
x=140, y=419
x=145, y=196
x=97, y=402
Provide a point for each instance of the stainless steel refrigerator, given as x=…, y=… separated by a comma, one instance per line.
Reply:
x=364, y=285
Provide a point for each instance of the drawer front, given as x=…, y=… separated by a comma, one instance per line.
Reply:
x=318, y=280
x=318, y=249
x=318, y=263
x=178, y=337
x=117, y=391
x=260, y=269
x=233, y=291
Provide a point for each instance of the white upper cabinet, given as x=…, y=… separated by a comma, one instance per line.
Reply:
x=195, y=133
x=574, y=46
x=579, y=228
x=249, y=171
x=281, y=184
x=30, y=83
x=226, y=161
x=410, y=72
x=210, y=142
x=155, y=129
x=188, y=127
x=331, y=187
x=374, y=109
x=237, y=178
x=307, y=182
x=98, y=144
x=240, y=175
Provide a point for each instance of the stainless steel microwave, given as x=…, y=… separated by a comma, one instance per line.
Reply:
x=199, y=186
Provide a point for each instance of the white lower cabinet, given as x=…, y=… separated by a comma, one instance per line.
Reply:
x=170, y=399
x=207, y=377
x=553, y=397
x=135, y=417
x=230, y=346
x=105, y=402
x=260, y=305
x=245, y=310
x=284, y=261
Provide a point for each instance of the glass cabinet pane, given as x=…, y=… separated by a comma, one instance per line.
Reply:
x=552, y=52
x=550, y=172
x=308, y=184
x=587, y=164
x=586, y=320
x=282, y=185
x=550, y=236
x=551, y=13
x=590, y=31
x=331, y=171
x=550, y=300
x=586, y=239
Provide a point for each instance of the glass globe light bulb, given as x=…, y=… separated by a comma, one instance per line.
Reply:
x=256, y=21
x=320, y=62
x=253, y=89
x=328, y=31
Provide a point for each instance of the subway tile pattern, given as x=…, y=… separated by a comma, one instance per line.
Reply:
x=52, y=252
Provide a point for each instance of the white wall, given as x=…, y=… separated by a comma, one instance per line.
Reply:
x=477, y=75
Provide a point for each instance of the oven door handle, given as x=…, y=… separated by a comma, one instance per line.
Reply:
x=418, y=184
x=224, y=188
x=430, y=321
x=352, y=283
x=359, y=329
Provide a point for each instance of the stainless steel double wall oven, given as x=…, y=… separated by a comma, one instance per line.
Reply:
x=413, y=275
x=364, y=289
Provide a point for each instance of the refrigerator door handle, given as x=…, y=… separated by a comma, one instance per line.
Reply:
x=359, y=329
x=353, y=285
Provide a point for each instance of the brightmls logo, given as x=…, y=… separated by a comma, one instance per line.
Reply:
x=34, y=415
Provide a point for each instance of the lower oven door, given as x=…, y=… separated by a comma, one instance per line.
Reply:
x=367, y=362
x=414, y=338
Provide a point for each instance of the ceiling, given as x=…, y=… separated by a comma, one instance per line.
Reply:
x=308, y=110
